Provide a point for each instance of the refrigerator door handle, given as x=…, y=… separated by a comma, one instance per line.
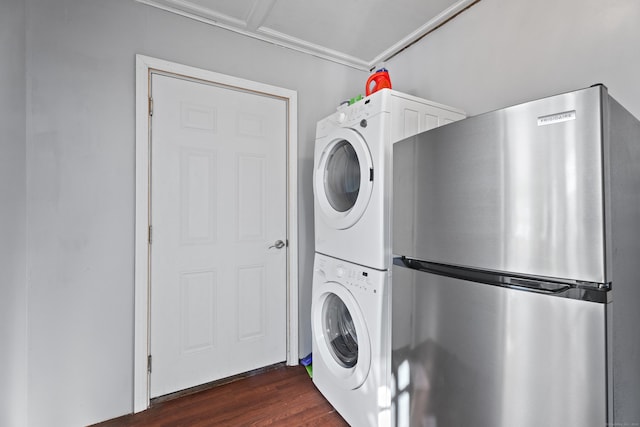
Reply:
x=534, y=286
x=542, y=286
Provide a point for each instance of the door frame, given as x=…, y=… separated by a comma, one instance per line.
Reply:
x=146, y=65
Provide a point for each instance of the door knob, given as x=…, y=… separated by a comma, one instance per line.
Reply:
x=279, y=244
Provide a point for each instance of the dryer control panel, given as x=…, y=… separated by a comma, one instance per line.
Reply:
x=349, y=116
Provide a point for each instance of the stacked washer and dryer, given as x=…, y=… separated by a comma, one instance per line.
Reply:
x=350, y=311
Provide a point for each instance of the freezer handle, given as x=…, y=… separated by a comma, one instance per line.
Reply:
x=583, y=291
x=531, y=285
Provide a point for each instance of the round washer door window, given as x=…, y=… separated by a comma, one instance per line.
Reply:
x=340, y=331
x=343, y=179
x=341, y=335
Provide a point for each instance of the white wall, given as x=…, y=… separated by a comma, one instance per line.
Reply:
x=502, y=52
x=13, y=289
x=80, y=198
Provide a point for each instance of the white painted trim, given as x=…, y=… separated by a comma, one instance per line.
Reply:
x=141, y=281
x=207, y=16
x=144, y=65
x=259, y=13
x=434, y=23
x=199, y=13
x=303, y=46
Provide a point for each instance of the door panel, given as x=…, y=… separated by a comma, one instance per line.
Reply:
x=507, y=192
x=472, y=354
x=218, y=202
x=340, y=334
x=251, y=197
x=343, y=177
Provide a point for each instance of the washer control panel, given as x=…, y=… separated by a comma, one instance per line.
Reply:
x=354, y=277
x=357, y=279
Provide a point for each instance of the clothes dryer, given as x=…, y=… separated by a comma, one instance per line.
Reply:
x=351, y=340
x=352, y=172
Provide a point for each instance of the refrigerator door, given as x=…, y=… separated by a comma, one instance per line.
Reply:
x=470, y=354
x=517, y=190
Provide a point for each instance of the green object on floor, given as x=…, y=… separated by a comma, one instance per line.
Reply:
x=309, y=369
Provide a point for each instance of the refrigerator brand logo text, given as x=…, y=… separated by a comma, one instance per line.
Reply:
x=557, y=118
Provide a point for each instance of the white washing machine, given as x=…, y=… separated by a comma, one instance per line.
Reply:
x=351, y=340
x=352, y=172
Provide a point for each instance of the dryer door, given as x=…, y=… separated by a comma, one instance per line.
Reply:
x=341, y=335
x=343, y=178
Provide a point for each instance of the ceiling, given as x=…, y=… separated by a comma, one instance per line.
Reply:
x=358, y=33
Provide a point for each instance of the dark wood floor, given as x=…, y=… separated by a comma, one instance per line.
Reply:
x=284, y=396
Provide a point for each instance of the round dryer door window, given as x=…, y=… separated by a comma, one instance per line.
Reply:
x=343, y=178
x=341, y=335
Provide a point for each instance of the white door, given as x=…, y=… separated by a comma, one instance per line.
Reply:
x=218, y=207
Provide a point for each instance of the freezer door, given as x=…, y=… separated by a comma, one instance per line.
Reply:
x=518, y=190
x=470, y=354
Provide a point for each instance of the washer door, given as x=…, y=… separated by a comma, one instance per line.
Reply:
x=341, y=335
x=343, y=178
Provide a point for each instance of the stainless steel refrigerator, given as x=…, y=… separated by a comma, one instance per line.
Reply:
x=516, y=275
